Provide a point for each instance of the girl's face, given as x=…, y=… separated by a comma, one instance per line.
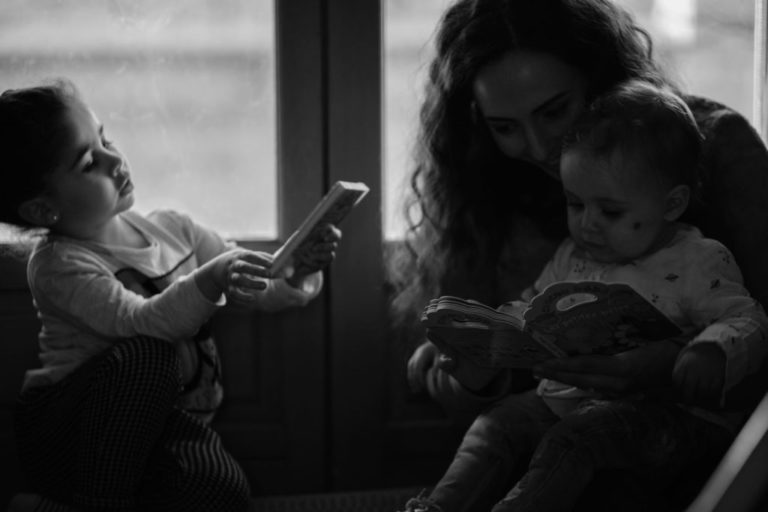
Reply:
x=613, y=213
x=528, y=101
x=91, y=183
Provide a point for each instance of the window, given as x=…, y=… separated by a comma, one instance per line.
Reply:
x=186, y=89
x=705, y=45
x=408, y=30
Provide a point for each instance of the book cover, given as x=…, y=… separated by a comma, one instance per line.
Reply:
x=332, y=208
x=567, y=318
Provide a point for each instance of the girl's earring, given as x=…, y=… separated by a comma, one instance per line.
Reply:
x=54, y=218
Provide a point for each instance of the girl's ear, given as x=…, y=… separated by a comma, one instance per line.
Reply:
x=38, y=212
x=677, y=202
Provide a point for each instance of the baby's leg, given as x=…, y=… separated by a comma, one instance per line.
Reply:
x=86, y=440
x=494, y=453
x=649, y=439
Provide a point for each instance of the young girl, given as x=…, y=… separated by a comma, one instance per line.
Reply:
x=628, y=170
x=118, y=415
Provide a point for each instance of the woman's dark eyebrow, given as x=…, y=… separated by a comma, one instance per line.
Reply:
x=554, y=99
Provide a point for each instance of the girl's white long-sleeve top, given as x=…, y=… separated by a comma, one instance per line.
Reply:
x=90, y=295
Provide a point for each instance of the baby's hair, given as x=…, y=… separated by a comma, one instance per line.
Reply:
x=642, y=121
x=30, y=131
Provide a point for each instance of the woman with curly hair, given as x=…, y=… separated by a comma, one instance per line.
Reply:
x=508, y=80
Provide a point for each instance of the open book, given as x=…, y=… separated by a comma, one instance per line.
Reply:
x=331, y=209
x=567, y=318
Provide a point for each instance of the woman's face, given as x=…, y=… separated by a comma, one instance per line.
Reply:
x=528, y=101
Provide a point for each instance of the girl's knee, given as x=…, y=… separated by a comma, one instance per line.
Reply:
x=146, y=350
x=143, y=362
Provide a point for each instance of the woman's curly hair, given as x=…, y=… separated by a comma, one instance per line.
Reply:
x=463, y=190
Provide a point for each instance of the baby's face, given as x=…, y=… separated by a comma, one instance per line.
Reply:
x=612, y=213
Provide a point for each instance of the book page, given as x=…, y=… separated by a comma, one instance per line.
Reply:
x=573, y=318
x=487, y=337
x=590, y=317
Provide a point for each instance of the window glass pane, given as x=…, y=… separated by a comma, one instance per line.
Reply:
x=705, y=45
x=186, y=89
x=408, y=29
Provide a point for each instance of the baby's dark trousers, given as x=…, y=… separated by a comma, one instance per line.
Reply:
x=519, y=456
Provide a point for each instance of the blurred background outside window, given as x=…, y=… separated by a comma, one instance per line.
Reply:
x=706, y=46
x=186, y=89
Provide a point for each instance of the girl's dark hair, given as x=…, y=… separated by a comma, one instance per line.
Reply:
x=464, y=191
x=648, y=124
x=30, y=127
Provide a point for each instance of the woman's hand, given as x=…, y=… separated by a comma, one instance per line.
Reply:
x=428, y=362
x=422, y=360
x=699, y=374
x=640, y=369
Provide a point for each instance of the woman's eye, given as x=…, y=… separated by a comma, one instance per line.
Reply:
x=504, y=128
x=555, y=112
x=574, y=206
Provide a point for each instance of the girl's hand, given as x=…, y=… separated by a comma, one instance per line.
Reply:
x=246, y=273
x=699, y=374
x=238, y=273
x=317, y=256
x=640, y=369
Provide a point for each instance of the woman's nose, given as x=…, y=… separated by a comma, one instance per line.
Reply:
x=537, y=145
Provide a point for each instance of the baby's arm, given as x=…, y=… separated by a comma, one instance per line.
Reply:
x=732, y=343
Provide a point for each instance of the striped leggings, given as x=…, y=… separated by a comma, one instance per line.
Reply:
x=110, y=438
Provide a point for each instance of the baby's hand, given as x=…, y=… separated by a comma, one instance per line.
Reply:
x=245, y=275
x=699, y=373
x=317, y=256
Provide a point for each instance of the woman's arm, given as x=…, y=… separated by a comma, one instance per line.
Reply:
x=734, y=187
x=642, y=369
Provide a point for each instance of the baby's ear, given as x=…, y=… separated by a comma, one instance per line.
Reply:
x=677, y=202
x=38, y=212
